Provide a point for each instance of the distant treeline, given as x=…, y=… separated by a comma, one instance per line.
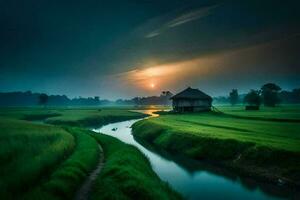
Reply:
x=285, y=97
x=32, y=99
x=163, y=99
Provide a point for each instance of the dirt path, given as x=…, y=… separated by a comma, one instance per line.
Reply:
x=83, y=192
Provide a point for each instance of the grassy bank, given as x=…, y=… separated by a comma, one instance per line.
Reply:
x=80, y=117
x=66, y=179
x=28, y=153
x=264, y=149
x=127, y=174
x=93, y=117
x=40, y=161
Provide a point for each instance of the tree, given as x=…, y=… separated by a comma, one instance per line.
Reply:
x=136, y=100
x=253, y=98
x=43, y=99
x=269, y=93
x=166, y=93
x=233, y=97
x=97, y=98
x=165, y=97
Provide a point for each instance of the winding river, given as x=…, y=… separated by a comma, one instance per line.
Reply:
x=193, y=179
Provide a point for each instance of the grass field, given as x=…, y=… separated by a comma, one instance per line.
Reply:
x=66, y=178
x=40, y=161
x=28, y=153
x=127, y=174
x=81, y=117
x=281, y=112
x=269, y=149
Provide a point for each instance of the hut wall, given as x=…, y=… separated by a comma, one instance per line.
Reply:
x=193, y=103
x=201, y=108
x=183, y=105
x=201, y=103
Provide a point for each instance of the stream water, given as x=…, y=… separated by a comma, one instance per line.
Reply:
x=193, y=179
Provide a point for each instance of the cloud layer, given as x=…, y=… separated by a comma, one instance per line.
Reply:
x=183, y=19
x=96, y=48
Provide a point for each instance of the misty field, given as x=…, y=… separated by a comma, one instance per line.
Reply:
x=252, y=144
x=71, y=116
x=46, y=161
x=281, y=112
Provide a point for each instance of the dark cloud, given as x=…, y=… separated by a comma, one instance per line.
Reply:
x=71, y=46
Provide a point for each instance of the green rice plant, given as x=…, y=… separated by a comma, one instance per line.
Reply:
x=127, y=174
x=68, y=176
x=261, y=148
x=28, y=153
x=278, y=113
x=93, y=117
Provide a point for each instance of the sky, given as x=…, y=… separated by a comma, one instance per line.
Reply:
x=125, y=48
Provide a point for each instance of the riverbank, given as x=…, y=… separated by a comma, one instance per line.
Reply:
x=79, y=117
x=127, y=174
x=247, y=147
x=46, y=161
x=93, y=118
x=43, y=161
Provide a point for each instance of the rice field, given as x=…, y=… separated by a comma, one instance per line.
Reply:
x=48, y=154
x=29, y=153
x=255, y=144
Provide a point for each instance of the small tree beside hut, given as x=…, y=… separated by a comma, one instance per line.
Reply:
x=43, y=99
x=269, y=93
x=233, y=97
x=253, y=100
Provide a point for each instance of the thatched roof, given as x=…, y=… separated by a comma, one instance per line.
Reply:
x=191, y=93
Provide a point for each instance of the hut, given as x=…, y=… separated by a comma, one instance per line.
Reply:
x=191, y=100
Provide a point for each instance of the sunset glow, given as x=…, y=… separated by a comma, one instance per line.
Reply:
x=169, y=74
x=213, y=44
x=110, y=89
x=198, y=70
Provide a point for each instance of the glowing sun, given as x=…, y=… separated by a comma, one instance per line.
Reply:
x=152, y=85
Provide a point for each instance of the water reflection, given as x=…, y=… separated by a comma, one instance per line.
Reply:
x=193, y=179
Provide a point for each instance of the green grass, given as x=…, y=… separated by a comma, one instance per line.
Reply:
x=28, y=153
x=127, y=174
x=225, y=127
x=80, y=117
x=67, y=178
x=264, y=148
x=40, y=161
x=92, y=117
x=281, y=112
x=28, y=113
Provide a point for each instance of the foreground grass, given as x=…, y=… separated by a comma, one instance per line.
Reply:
x=28, y=153
x=266, y=149
x=43, y=161
x=40, y=161
x=68, y=177
x=127, y=174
